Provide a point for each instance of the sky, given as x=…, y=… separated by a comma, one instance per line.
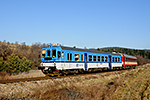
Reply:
x=80, y=23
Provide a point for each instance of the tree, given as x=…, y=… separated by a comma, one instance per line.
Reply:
x=24, y=65
x=13, y=64
x=4, y=41
x=5, y=51
x=16, y=65
x=16, y=42
x=3, y=65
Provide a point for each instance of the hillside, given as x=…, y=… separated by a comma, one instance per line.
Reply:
x=32, y=53
x=144, y=53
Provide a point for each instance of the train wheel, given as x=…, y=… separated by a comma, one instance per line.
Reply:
x=81, y=71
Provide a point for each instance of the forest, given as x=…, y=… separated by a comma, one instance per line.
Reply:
x=15, y=57
x=143, y=56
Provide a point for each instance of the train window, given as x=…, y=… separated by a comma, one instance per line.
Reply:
x=76, y=57
x=54, y=53
x=131, y=60
x=94, y=58
x=43, y=53
x=118, y=59
x=90, y=57
x=62, y=54
x=82, y=57
x=99, y=58
x=59, y=54
x=115, y=59
x=48, y=53
x=68, y=56
x=102, y=58
x=106, y=59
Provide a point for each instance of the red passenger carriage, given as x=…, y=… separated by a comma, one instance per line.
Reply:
x=129, y=60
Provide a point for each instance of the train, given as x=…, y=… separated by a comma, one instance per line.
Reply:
x=61, y=60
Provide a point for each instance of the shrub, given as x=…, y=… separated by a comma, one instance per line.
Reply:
x=13, y=64
x=16, y=65
x=3, y=65
x=24, y=65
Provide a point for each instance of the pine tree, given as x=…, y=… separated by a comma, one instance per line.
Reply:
x=13, y=64
x=2, y=65
x=24, y=65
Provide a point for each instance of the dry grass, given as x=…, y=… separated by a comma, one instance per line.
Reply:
x=136, y=86
x=32, y=73
x=129, y=85
x=5, y=76
x=122, y=85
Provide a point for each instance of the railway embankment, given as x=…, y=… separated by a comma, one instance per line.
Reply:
x=124, y=84
x=29, y=74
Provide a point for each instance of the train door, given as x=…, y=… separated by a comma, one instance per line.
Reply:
x=110, y=65
x=63, y=59
x=69, y=57
x=85, y=61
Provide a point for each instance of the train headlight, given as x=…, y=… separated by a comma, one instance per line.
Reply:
x=54, y=64
x=42, y=64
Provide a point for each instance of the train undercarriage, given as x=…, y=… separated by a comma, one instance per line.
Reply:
x=52, y=71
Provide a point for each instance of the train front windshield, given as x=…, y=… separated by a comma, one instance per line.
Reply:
x=51, y=53
x=43, y=53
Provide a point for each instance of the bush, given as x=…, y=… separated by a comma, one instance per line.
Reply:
x=141, y=60
x=24, y=65
x=3, y=65
x=13, y=64
x=16, y=65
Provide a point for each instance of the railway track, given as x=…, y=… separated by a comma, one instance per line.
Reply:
x=44, y=78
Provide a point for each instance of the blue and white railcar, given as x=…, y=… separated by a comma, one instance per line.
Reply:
x=56, y=58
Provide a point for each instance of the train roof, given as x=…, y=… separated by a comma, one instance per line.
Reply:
x=87, y=50
x=129, y=56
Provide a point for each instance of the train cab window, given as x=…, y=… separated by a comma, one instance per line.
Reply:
x=68, y=56
x=82, y=57
x=90, y=57
x=53, y=53
x=48, y=53
x=43, y=53
x=99, y=58
x=118, y=59
x=102, y=58
x=106, y=59
x=62, y=54
x=94, y=58
x=113, y=59
x=59, y=54
x=76, y=57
